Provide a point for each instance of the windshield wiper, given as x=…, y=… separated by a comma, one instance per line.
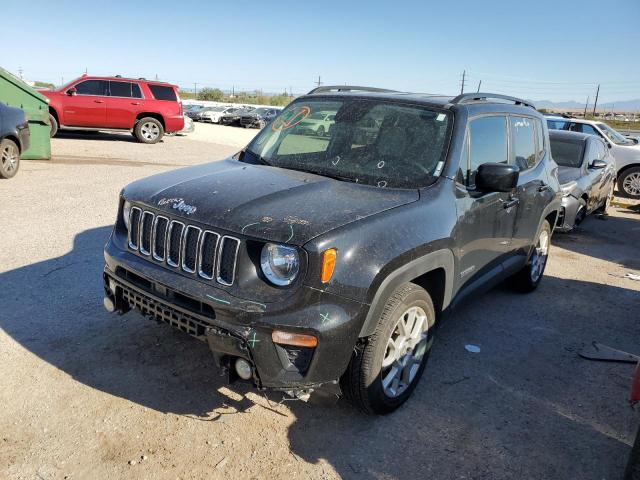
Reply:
x=324, y=173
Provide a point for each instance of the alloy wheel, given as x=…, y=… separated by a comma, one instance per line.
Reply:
x=631, y=184
x=539, y=257
x=405, y=351
x=150, y=130
x=9, y=158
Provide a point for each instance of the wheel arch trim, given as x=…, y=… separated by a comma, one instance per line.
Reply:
x=439, y=259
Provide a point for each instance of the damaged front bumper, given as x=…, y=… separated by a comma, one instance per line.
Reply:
x=236, y=328
x=567, y=215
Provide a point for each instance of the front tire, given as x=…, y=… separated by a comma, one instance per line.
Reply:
x=54, y=126
x=581, y=213
x=9, y=158
x=384, y=371
x=604, y=208
x=629, y=183
x=148, y=130
x=530, y=276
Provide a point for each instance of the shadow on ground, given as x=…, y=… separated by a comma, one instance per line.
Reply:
x=96, y=135
x=526, y=406
x=612, y=238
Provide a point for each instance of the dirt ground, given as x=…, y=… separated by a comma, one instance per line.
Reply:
x=89, y=395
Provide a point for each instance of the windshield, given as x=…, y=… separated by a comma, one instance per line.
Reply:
x=366, y=141
x=615, y=136
x=567, y=153
x=260, y=111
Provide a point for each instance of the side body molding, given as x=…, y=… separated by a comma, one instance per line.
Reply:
x=428, y=263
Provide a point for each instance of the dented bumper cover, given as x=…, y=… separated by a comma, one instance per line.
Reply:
x=235, y=327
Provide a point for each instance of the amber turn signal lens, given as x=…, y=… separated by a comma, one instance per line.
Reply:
x=297, y=339
x=328, y=264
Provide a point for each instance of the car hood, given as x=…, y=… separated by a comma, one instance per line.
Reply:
x=568, y=174
x=265, y=202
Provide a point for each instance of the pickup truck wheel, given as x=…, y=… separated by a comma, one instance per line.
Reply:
x=148, y=130
x=629, y=182
x=528, y=279
x=383, y=373
x=9, y=158
x=54, y=126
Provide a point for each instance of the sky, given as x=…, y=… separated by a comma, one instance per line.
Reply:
x=544, y=50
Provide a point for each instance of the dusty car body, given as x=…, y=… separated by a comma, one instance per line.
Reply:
x=308, y=262
x=587, y=174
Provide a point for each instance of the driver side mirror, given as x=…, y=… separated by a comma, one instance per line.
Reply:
x=72, y=91
x=598, y=164
x=497, y=177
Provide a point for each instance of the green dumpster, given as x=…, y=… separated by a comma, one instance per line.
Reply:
x=16, y=93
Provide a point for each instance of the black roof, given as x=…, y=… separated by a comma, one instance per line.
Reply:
x=440, y=100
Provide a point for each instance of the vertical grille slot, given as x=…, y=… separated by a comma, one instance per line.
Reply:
x=190, y=248
x=134, y=227
x=160, y=228
x=146, y=226
x=206, y=262
x=174, y=243
x=226, y=262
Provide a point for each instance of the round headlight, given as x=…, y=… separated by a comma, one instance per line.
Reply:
x=126, y=213
x=280, y=264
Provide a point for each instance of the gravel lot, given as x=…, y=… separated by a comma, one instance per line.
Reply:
x=85, y=394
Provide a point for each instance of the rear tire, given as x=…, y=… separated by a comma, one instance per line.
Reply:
x=54, y=126
x=384, y=371
x=9, y=158
x=148, y=130
x=629, y=183
x=530, y=276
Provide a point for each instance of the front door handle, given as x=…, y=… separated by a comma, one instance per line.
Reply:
x=99, y=101
x=135, y=103
x=512, y=202
x=544, y=188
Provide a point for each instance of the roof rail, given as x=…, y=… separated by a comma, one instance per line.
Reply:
x=349, y=88
x=470, y=97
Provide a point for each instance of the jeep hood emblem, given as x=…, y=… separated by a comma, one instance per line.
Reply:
x=177, y=204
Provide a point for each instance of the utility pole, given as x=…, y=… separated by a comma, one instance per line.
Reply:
x=20, y=73
x=596, y=102
x=585, y=107
x=318, y=83
x=464, y=73
x=195, y=89
x=479, y=85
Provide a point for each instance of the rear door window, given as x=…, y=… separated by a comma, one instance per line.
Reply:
x=91, y=87
x=124, y=89
x=487, y=143
x=524, y=142
x=557, y=124
x=162, y=92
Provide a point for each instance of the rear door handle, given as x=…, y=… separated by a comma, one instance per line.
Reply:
x=135, y=103
x=510, y=203
x=544, y=188
x=99, y=101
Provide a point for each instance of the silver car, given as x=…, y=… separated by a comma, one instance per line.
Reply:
x=587, y=173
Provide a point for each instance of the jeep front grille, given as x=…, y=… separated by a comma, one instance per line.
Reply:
x=195, y=251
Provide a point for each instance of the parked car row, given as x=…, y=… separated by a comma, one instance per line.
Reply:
x=625, y=150
x=236, y=115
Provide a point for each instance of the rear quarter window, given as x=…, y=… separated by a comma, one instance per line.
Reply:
x=161, y=92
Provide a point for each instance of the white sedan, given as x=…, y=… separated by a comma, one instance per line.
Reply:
x=214, y=114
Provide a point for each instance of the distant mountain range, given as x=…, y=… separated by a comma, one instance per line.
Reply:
x=621, y=106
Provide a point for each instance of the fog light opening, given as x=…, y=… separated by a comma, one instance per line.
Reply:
x=109, y=304
x=243, y=369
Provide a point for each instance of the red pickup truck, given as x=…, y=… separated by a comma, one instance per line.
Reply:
x=145, y=108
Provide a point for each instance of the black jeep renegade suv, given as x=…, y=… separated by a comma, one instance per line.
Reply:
x=310, y=262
